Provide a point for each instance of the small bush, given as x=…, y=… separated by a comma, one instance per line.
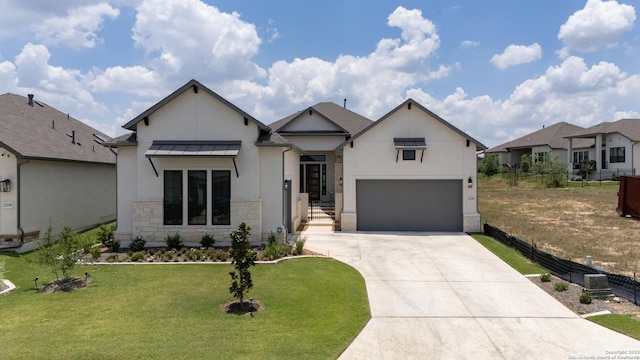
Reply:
x=174, y=241
x=95, y=253
x=112, y=258
x=105, y=234
x=168, y=256
x=299, y=246
x=198, y=255
x=137, y=244
x=585, y=297
x=207, y=240
x=138, y=256
x=561, y=286
x=115, y=245
x=222, y=255
x=545, y=277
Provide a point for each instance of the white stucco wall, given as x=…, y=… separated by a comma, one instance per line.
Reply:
x=617, y=140
x=80, y=195
x=127, y=191
x=292, y=172
x=8, y=200
x=447, y=156
x=317, y=143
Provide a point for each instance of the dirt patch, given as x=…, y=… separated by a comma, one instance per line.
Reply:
x=571, y=299
x=64, y=285
x=237, y=308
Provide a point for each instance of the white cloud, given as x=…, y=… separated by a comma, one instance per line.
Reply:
x=469, y=43
x=78, y=28
x=134, y=80
x=516, y=55
x=190, y=39
x=599, y=24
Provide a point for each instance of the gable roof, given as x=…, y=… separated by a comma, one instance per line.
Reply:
x=479, y=145
x=195, y=86
x=627, y=127
x=39, y=131
x=552, y=136
x=344, y=119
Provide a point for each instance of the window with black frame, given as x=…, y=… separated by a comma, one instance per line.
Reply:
x=172, y=204
x=221, y=197
x=616, y=155
x=197, y=210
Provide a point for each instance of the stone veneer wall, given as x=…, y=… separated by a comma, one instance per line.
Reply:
x=472, y=223
x=148, y=222
x=348, y=221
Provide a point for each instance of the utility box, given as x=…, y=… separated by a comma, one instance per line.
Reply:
x=629, y=196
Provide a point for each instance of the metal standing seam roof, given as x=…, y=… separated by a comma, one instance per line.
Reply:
x=409, y=143
x=43, y=132
x=194, y=148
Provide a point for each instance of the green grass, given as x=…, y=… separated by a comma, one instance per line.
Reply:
x=509, y=255
x=625, y=324
x=314, y=308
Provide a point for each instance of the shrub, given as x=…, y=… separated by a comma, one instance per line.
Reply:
x=545, y=277
x=198, y=255
x=275, y=249
x=207, y=240
x=112, y=258
x=561, y=286
x=299, y=246
x=137, y=244
x=105, y=234
x=138, y=256
x=585, y=297
x=222, y=255
x=168, y=256
x=174, y=241
x=95, y=253
x=115, y=245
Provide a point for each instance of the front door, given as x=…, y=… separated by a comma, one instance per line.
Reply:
x=313, y=181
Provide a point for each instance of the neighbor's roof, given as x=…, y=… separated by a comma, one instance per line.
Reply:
x=344, y=119
x=627, y=127
x=42, y=132
x=479, y=145
x=552, y=136
x=194, y=86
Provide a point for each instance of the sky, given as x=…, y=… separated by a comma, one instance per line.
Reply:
x=496, y=69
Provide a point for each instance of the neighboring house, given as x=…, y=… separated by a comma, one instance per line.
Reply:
x=195, y=164
x=54, y=170
x=546, y=143
x=410, y=171
x=617, y=147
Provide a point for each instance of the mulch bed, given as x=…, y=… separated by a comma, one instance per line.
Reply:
x=64, y=285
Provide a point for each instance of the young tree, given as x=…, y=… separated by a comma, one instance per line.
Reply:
x=525, y=162
x=243, y=257
x=490, y=165
x=61, y=256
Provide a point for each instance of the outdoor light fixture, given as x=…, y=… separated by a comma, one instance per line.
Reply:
x=251, y=306
x=5, y=185
x=86, y=276
x=341, y=181
x=36, y=282
x=286, y=185
x=470, y=182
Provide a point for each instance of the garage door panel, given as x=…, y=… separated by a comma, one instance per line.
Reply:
x=409, y=205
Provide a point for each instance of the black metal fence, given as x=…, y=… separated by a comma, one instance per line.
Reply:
x=621, y=285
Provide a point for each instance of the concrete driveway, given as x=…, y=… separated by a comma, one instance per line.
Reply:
x=444, y=296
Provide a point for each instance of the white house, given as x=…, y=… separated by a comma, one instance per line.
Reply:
x=195, y=164
x=53, y=169
x=616, y=150
x=410, y=170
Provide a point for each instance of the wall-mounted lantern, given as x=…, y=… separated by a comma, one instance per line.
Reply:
x=286, y=184
x=470, y=182
x=341, y=181
x=5, y=185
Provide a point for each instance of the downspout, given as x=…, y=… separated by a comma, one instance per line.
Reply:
x=284, y=214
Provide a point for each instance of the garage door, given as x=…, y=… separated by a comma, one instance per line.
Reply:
x=409, y=205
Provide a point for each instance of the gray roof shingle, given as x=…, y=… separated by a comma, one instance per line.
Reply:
x=552, y=136
x=627, y=127
x=345, y=119
x=42, y=132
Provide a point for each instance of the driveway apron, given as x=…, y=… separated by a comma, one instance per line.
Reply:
x=444, y=296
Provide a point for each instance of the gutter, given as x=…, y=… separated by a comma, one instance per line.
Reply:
x=18, y=188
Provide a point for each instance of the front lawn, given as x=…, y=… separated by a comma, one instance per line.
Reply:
x=509, y=255
x=314, y=308
x=623, y=323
